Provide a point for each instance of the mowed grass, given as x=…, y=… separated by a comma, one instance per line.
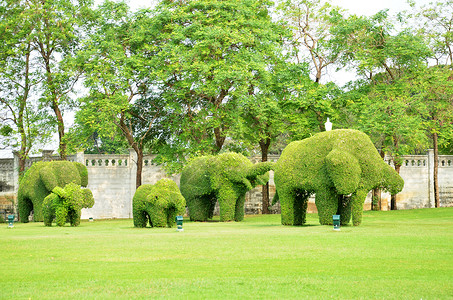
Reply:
x=392, y=255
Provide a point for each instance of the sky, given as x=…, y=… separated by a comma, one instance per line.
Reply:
x=358, y=7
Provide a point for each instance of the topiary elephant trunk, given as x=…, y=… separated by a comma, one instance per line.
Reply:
x=224, y=178
x=340, y=167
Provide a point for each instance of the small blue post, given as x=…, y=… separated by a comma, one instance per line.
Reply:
x=179, y=220
x=11, y=221
x=336, y=222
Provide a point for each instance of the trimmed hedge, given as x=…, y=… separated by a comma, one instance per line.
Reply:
x=158, y=204
x=65, y=204
x=40, y=180
x=340, y=166
x=224, y=178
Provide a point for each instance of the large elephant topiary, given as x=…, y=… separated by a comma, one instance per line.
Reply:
x=224, y=178
x=158, y=204
x=340, y=167
x=65, y=204
x=39, y=181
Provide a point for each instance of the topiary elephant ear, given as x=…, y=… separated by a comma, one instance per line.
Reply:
x=229, y=167
x=344, y=171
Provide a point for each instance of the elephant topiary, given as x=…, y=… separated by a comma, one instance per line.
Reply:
x=340, y=167
x=158, y=204
x=40, y=180
x=65, y=204
x=226, y=178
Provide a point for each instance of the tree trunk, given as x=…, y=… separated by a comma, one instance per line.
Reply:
x=127, y=131
x=264, y=145
x=377, y=197
x=219, y=139
x=393, y=197
x=61, y=133
x=54, y=105
x=321, y=122
x=436, y=171
x=138, y=177
x=24, y=147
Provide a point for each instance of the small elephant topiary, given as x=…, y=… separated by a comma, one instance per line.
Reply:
x=40, y=180
x=340, y=167
x=65, y=204
x=224, y=178
x=158, y=204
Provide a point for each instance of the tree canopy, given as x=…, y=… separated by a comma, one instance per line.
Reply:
x=196, y=77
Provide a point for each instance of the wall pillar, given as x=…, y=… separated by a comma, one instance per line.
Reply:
x=431, y=178
x=80, y=158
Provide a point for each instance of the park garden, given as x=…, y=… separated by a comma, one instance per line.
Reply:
x=202, y=85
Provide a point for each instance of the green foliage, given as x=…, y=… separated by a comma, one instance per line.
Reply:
x=23, y=122
x=208, y=57
x=158, y=204
x=41, y=179
x=340, y=166
x=224, y=178
x=65, y=204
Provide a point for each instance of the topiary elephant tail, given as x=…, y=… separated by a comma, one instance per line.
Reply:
x=275, y=199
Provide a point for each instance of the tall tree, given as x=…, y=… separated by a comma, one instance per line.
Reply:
x=22, y=121
x=56, y=33
x=310, y=22
x=114, y=66
x=263, y=114
x=434, y=22
x=211, y=53
x=433, y=87
x=386, y=60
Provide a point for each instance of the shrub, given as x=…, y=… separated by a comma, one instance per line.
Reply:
x=224, y=178
x=65, y=204
x=40, y=180
x=340, y=167
x=158, y=204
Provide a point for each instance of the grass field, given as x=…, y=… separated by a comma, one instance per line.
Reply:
x=392, y=255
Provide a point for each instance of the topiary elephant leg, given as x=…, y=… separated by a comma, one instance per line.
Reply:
x=61, y=213
x=140, y=218
x=327, y=204
x=200, y=208
x=37, y=212
x=48, y=208
x=74, y=217
x=344, y=209
x=300, y=207
x=357, y=199
x=227, y=203
x=25, y=206
x=239, y=212
x=171, y=216
x=293, y=206
x=158, y=216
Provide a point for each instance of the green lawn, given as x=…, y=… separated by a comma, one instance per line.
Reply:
x=392, y=255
